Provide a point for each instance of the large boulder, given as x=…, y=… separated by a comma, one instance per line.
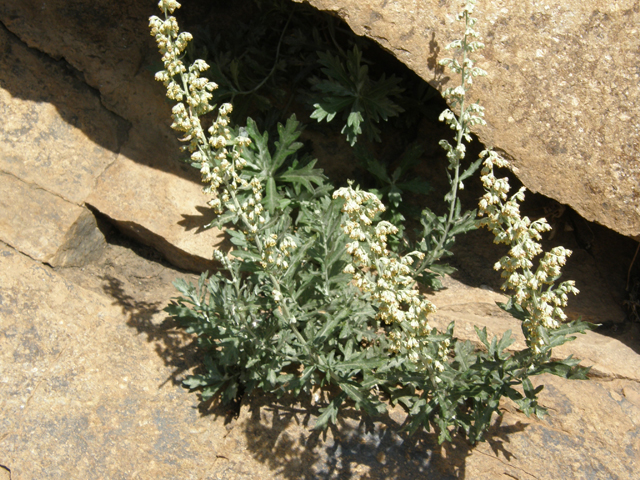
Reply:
x=562, y=94
x=56, y=139
x=84, y=125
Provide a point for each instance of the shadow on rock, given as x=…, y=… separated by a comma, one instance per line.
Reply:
x=198, y=222
x=279, y=434
x=171, y=343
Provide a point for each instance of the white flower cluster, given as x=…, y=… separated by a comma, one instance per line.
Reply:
x=277, y=255
x=387, y=277
x=469, y=115
x=502, y=217
x=219, y=152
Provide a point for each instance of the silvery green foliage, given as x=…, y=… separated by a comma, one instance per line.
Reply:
x=312, y=296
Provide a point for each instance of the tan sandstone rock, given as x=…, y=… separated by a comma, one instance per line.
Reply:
x=109, y=44
x=54, y=133
x=55, y=140
x=562, y=93
x=83, y=393
x=46, y=227
x=89, y=388
x=468, y=307
x=157, y=206
x=58, y=138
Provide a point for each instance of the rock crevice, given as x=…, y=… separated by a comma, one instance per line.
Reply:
x=562, y=93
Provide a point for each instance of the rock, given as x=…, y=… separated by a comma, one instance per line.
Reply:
x=55, y=133
x=84, y=393
x=55, y=140
x=46, y=227
x=572, y=442
x=90, y=369
x=590, y=432
x=110, y=46
x=562, y=93
x=468, y=307
x=59, y=137
x=158, y=206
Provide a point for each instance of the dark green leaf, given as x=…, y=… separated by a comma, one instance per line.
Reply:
x=330, y=412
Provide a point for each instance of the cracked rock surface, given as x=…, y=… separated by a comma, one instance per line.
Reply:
x=90, y=369
x=562, y=94
x=83, y=125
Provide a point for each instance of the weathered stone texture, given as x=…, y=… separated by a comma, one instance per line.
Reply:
x=90, y=389
x=45, y=226
x=54, y=131
x=84, y=395
x=157, y=206
x=472, y=307
x=57, y=135
x=55, y=140
x=109, y=44
x=562, y=94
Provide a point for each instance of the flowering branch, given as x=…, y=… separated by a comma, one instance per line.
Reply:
x=389, y=279
x=533, y=291
x=461, y=123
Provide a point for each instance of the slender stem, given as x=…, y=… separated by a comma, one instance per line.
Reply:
x=436, y=252
x=324, y=266
x=275, y=63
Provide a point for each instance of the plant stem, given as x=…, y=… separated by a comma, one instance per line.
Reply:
x=273, y=69
x=436, y=253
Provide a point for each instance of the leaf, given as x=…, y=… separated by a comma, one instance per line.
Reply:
x=304, y=175
x=247, y=255
x=576, y=326
x=359, y=365
x=237, y=238
x=286, y=145
x=410, y=159
x=464, y=354
x=348, y=88
x=272, y=198
x=352, y=128
x=221, y=220
x=374, y=167
x=330, y=412
x=195, y=381
x=297, y=383
x=471, y=169
x=416, y=185
x=395, y=196
x=230, y=393
x=505, y=341
x=430, y=281
x=482, y=335
x=257, y=155
x=442, y=269
x=328, y=110
x=327, y=329
x=352, y=390
x=183, y=287
x=514, y=309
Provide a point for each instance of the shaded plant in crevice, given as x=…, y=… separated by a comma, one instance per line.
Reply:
x=312, y=297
